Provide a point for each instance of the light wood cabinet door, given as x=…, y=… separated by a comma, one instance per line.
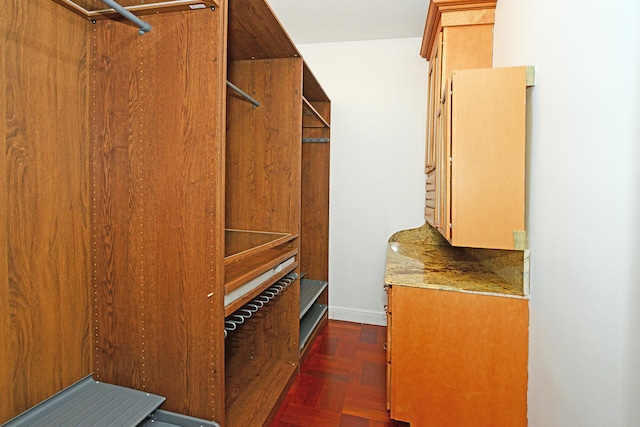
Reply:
x=458, y=359
x=486, y=137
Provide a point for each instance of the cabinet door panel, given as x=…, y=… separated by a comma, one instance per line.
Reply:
x=459, y=359
x=488, y=156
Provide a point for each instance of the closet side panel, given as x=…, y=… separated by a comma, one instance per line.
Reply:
x=159, y=208
x=6, y=404
x=44, y=224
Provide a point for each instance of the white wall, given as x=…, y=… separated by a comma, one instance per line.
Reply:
x=584, y=207
x=378, y=93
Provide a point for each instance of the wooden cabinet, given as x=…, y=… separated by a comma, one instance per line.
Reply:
x=457, y=36
x=457, y=359
x=188, y=204
x=474, y=192
x=481, y=171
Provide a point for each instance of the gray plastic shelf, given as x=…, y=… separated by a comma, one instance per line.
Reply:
x=310, y=321
x=89, y=403
x=310, y=290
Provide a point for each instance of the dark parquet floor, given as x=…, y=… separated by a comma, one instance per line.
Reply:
x=341, y=382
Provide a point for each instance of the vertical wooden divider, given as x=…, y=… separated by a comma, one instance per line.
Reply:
x=159, y=227
x=7, y=404
x=44, y=266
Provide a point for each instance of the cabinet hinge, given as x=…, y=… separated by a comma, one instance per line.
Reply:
x=450, y=160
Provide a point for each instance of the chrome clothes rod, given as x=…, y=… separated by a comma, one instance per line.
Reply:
x=144, y=26
x=243, y=94
x=252, y=307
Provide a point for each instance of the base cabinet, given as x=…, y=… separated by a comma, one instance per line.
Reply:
x=457, y=359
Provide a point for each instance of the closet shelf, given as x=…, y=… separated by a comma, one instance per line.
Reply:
x=96, y=9
x=309, y=322
x=240, y=273
x=310, y=290
x=241, y=245
x=268, y=274
x=309, y=110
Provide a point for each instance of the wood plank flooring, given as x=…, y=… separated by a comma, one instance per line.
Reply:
x=341, y=382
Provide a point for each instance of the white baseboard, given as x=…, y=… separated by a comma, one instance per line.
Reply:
x=358, y=316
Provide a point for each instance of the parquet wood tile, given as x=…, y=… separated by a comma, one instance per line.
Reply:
x=342, y=381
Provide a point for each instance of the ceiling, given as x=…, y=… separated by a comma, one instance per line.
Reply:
x=323, y=21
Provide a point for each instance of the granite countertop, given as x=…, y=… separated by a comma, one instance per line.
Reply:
x=434, y=266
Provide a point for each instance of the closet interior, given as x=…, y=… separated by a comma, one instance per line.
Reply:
x=201, y=152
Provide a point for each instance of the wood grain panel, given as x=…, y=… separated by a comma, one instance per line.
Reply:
x=7, y=16
x=488, y=150
x=256, y=33
x=458, y=359
x=263, y=157
x=44, y=274
x=466, y=47
x=314, y=231
x=312, y=90
x=159, y=232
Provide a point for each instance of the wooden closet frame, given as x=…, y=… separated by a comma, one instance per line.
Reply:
x=173, y=159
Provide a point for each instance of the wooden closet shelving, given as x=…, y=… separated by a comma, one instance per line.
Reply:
x=314, y=230
x=309, y=110
x=184, y=195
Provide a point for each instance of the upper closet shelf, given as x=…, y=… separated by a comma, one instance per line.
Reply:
x=97, y=9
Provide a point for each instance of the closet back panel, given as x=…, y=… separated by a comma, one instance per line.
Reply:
x=158, y=208
x=264, y=146
x=314, y=234
x=44, y=203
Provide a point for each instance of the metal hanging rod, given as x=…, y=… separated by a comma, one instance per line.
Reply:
x=252, y=307
x=144, y=26
x=243, y=94
x=315, y=140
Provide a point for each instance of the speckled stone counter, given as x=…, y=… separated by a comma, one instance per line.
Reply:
x=422, y=258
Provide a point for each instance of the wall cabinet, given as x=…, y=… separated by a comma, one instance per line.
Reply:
x=474, y=193
x=481, y=159
x=193, y=212
x=458, y=36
